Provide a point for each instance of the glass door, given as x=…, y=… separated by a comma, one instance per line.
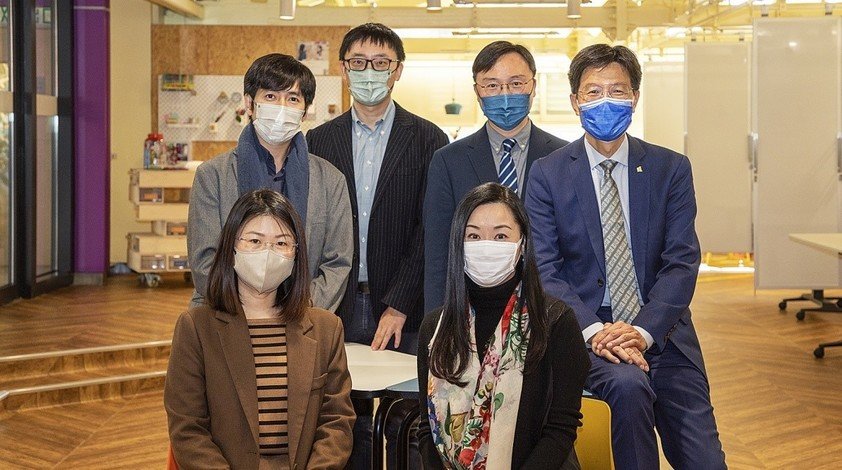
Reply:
x=7, y=214
x=46, y=133
x=36, y=183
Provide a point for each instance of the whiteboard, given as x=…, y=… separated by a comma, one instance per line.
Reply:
x=796, y=117
x=718, y=120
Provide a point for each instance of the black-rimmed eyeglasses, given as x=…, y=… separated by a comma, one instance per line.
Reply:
x=380, y=64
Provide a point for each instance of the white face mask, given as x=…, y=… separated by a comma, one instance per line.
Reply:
x=488, y=262
x=276, y=124
x=264, y=270
x=369, y=87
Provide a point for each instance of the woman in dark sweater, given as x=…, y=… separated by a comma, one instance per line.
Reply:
x=503, y=363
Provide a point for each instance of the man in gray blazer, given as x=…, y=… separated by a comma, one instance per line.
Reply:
x=272, y=153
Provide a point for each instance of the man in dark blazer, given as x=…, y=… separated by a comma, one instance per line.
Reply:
x=503, y=151
x=384, y=152
x=612, y=219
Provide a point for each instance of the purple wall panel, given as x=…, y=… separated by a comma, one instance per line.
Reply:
x=92, y=133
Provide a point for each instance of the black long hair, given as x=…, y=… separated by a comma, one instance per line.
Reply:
x=293, y=295
x=453, y=340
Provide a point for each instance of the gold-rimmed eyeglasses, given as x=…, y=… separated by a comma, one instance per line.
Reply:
x=515, y=87
x=281, y=247
x=617, y=92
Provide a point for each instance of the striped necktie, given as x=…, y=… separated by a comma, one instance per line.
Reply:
x=622, y=280
x=508, y=173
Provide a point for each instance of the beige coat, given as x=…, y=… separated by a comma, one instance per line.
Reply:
x=211, y=392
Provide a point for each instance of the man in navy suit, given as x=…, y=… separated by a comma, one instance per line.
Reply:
x=613, y=229
x=501, y=151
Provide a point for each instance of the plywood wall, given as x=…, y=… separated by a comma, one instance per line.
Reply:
x=206, y=149
x=230, y=50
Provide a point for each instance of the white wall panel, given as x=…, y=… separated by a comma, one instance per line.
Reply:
x=796, y=91
x=662, y=97
x=718, y=125
x=131, y=111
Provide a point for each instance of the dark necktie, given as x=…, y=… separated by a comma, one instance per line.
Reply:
x=508, y=173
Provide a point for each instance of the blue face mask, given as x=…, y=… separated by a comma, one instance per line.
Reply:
x=505, y=111
x=607, y=118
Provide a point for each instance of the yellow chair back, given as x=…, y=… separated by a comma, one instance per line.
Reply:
x=593, y=441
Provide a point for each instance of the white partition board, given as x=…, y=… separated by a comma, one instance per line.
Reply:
x=662, y=96
x=717, y=97
x=796, y=88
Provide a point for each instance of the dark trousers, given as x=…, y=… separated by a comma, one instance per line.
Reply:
x=361, y=330
x=673, y=397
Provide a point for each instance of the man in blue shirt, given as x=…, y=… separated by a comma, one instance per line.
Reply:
x=384, y=152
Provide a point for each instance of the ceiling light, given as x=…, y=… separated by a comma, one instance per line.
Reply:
x=519, y=4
x=287, y=10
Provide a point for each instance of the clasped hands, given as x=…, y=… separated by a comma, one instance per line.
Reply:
x=620, y=342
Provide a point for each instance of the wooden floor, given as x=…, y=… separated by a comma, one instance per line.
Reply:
x=86, y=316
x=777, y=406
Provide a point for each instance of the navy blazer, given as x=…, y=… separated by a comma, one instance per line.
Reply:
x=456, y=169
x=567, y=237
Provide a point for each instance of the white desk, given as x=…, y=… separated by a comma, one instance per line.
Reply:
x=831, y=242
x=828, y=242
x=374, y=371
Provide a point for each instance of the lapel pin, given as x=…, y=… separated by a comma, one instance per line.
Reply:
x=639, y=169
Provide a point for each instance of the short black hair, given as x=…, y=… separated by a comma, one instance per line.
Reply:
x=599, y=56
x=490, y=54
x=279, y=72
x=374, y=33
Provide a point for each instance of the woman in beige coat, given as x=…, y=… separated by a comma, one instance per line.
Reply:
x=257, y=378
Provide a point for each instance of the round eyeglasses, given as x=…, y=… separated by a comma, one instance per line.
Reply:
x=380, y=64
x=280, y=247
x=617, y=92
x=515, y=87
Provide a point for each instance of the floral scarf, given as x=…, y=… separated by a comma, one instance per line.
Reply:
x=462, y=418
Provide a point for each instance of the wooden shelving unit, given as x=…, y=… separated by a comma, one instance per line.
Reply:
x=160, y=197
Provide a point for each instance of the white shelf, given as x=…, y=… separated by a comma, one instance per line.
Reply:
x=184, y=126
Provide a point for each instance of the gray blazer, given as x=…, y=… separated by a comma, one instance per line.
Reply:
x=329, y=227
